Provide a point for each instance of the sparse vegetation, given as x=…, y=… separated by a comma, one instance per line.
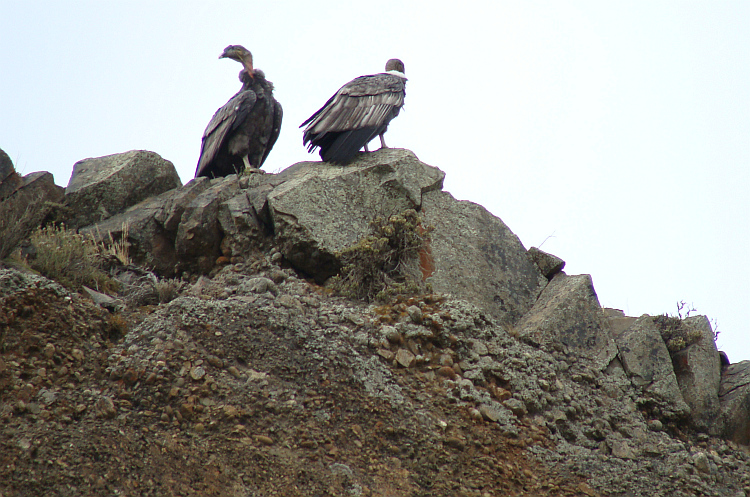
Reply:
x=678, y=334
x=151, y=290
x=69, y=258
x=385, y=263
x=117, y=248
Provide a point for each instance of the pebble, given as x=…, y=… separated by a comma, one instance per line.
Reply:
x=446, y=360
x=455, y=442
x=447, y=372
x=516, y=406
x=392, y=334
x=105, y=408
x=475, y=414
x=655, y=425
x=489, y=412
x=49, y=350
x=234, y=371
x=405, y=358
x=215, y=361
x=385, y=354
x=197, y=373
x=701, y=462
x=415, y=313
x=264, y=439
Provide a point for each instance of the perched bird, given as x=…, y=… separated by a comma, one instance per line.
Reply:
x=242, y=133
x=359, y=111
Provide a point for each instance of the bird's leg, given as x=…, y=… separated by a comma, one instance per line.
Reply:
x=250, y=168
x=382, y=141
x=366, y=149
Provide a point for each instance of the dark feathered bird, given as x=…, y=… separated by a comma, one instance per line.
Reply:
x=242, y=133
x=358, y=112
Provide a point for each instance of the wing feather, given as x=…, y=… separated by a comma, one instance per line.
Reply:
x=363, y=102
x=227, y=118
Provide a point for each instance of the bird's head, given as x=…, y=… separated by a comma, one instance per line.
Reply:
x=241, y=55
x=395, y=65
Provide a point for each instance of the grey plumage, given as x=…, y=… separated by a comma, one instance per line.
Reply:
x=358, y=112
x=242, y=133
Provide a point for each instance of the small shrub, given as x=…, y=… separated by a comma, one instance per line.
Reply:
x=675, y=332
x=386, y=262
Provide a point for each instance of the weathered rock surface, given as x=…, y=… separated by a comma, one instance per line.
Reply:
x=548, y=264
x=568, y=317
x=647, y=362
x=477, y=258
x=104, y=186
x=24, y=203
x=321, y=208
x=698, y=371
x=734, y=395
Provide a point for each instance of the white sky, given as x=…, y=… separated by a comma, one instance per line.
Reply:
x=617, y=133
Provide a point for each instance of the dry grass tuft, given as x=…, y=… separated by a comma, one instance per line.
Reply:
x=69, y=258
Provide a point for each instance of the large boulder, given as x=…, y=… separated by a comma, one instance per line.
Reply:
x=647, y=362
x=548, y=264
x=321, y=209
x=10, y=180
x=149, y=244
x=31, y=200
x=199, y=233
x=698, y=371
x=477, y=258
x=734, y=394
x=104, y=186
x=568, y=318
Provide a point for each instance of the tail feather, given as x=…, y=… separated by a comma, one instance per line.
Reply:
x=342, y=148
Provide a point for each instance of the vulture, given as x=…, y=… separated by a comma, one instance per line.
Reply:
x=242, y=133
x=358, y=112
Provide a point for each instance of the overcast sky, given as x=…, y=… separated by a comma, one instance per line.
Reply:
x=616, y=135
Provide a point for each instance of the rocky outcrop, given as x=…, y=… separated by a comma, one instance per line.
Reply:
x=305, y=216
x=311, y=211
x=568, y=318
x=104, y=186
x=647, y=362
